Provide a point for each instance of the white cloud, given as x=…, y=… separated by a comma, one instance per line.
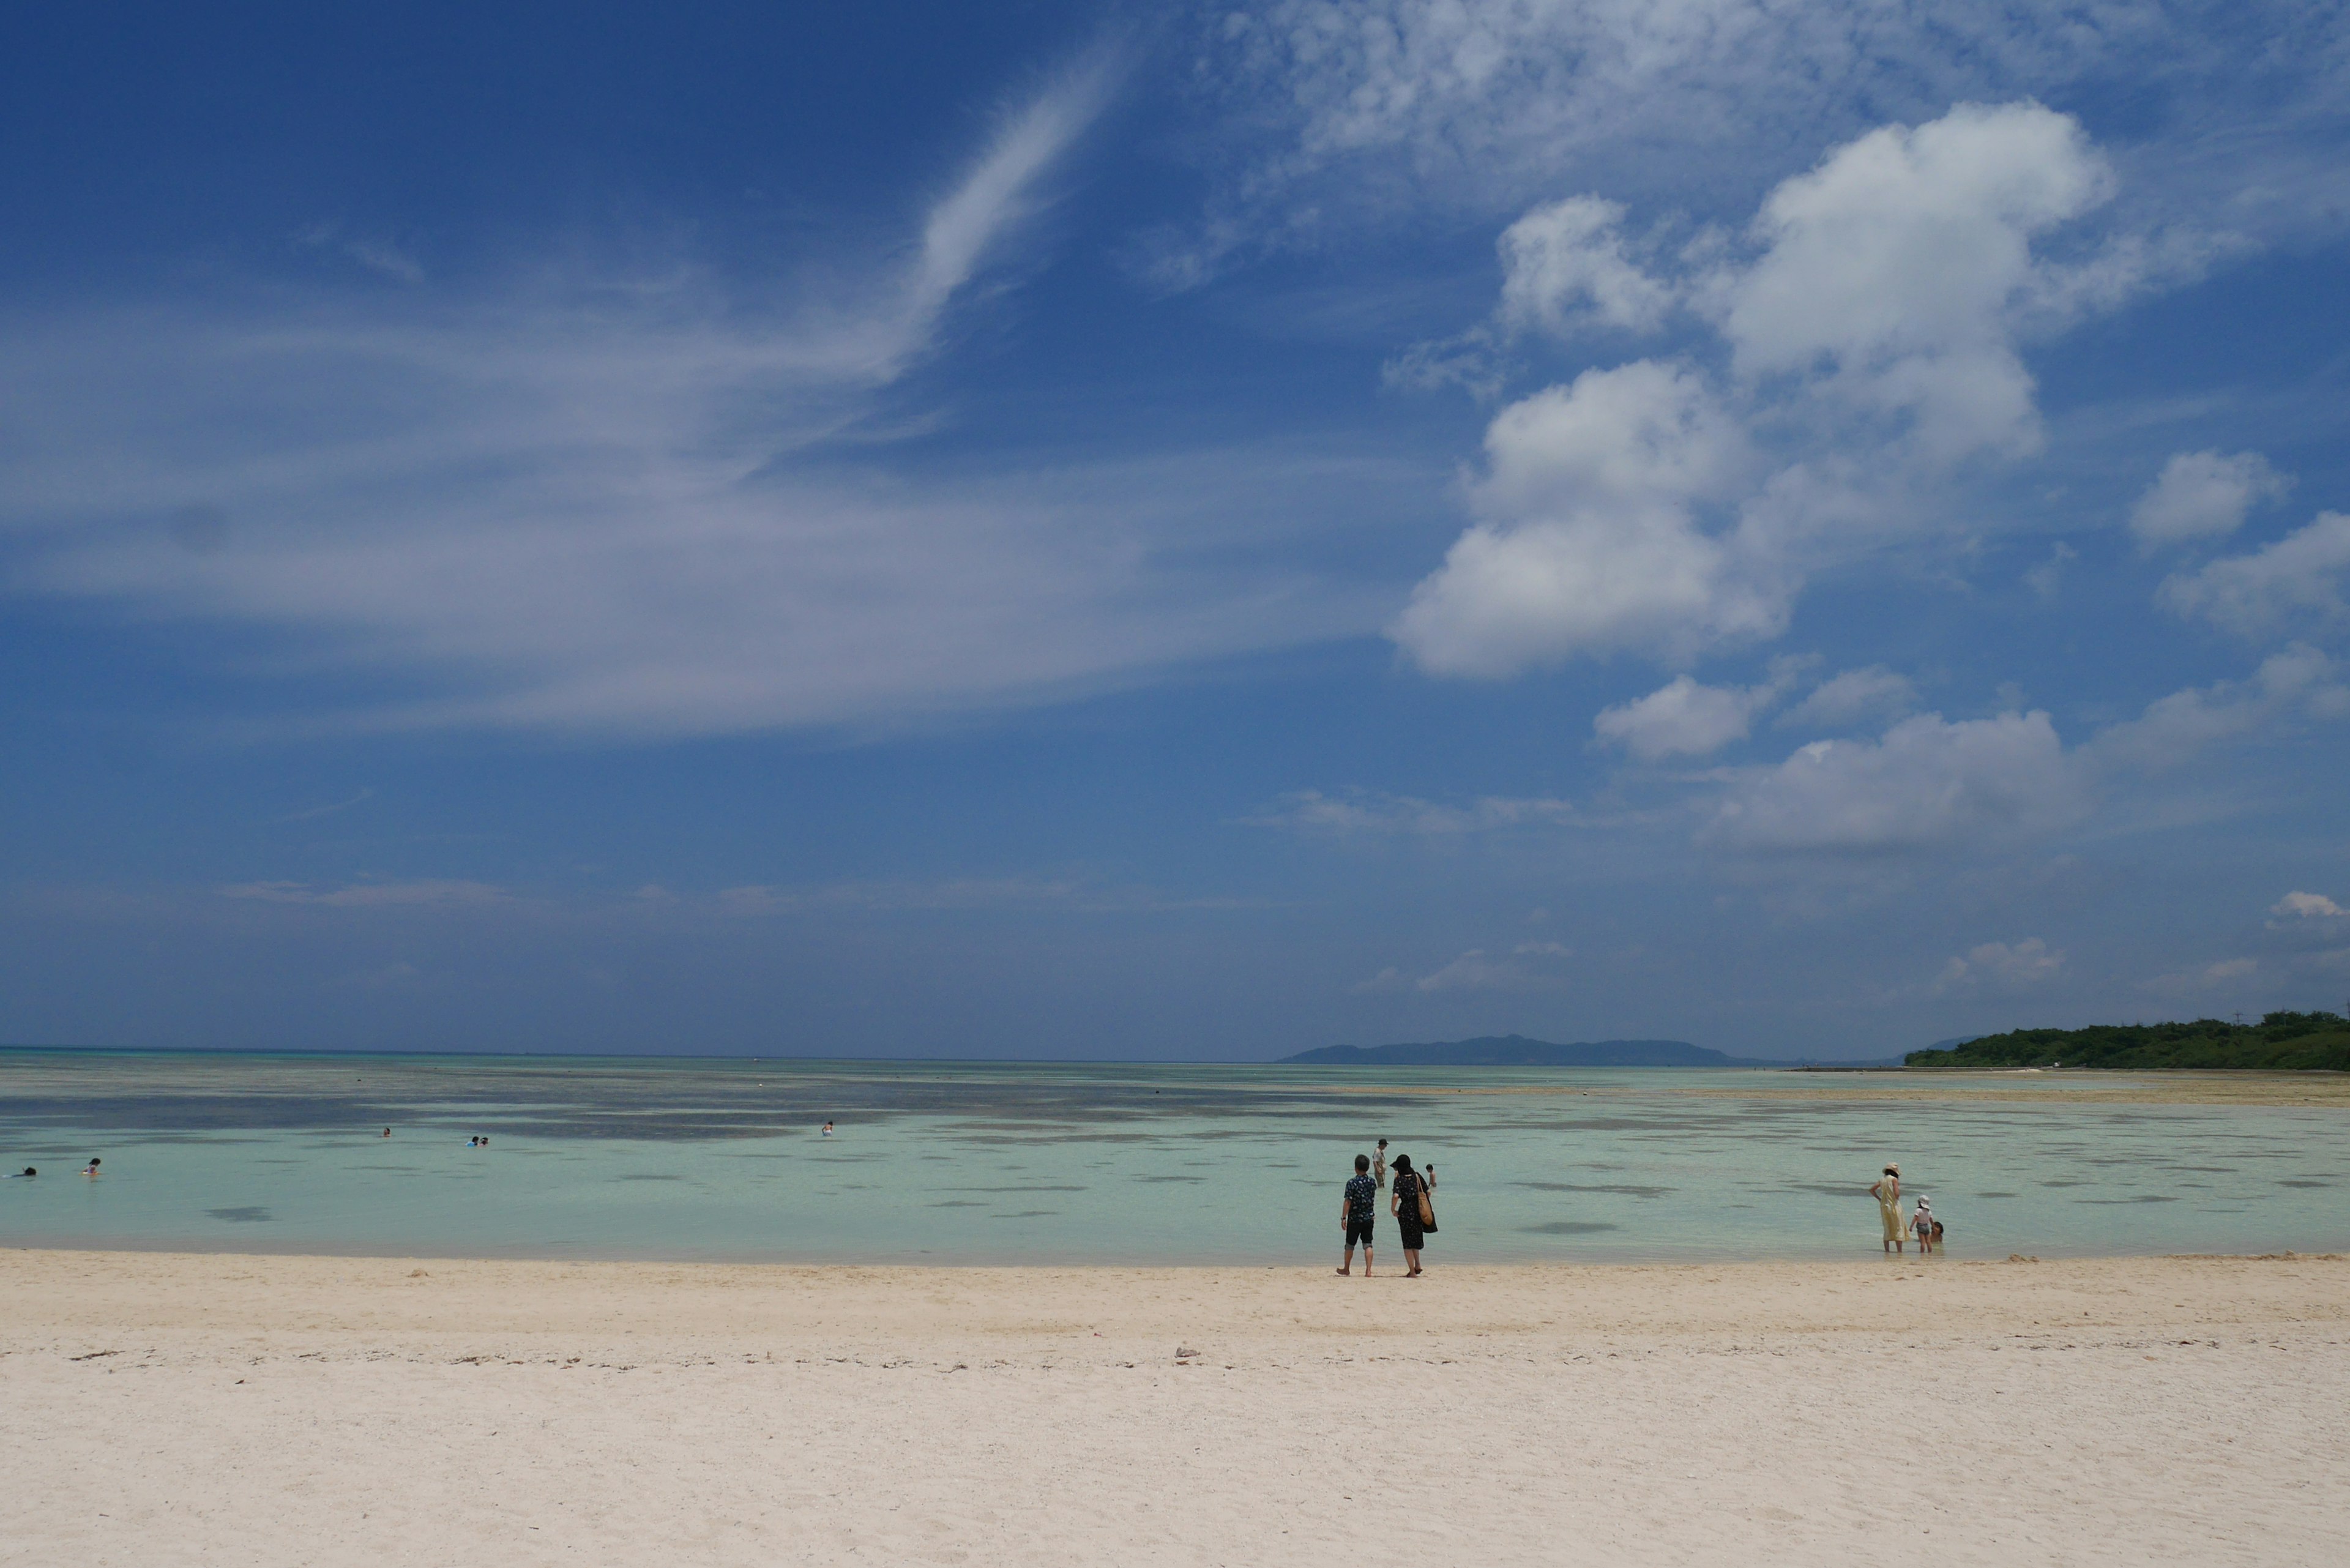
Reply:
x=1874, y=335
x=958, y=893
x=1681, y=718
x=1896, y=266
x=2300, y=681
x=2296, y=580
x=1529, y=966
x=642, y=503
x=1370, y=812
x=1684, y=718
x=2046, y=578
x=312, y=814
x=2202, y=496
x=372, y=895
x=377, y=256
x=1564, y=270
x=1927, y=783
x=2307, y=907
x=1850, y=697
x=2003, y=965
x=1564, y=267
x=1401, y=105
x=1593, y=541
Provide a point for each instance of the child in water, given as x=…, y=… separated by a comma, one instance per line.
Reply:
x=1924, y=1225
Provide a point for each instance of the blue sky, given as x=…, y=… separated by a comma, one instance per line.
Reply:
x=1068, y=530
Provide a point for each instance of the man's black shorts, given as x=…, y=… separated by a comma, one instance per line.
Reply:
x=1358, y=1233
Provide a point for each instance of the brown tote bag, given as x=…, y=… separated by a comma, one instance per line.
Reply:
x=1426, y=1208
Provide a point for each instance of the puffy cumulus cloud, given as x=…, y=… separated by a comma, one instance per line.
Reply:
x=1566, y=270
x=2003, y=965
x=1364, y=811
x=2307, y=907
x=1684, y=718
x=1681, y=719
x=1595, y=542
x=1851, y=697
x=1873, y=331
x=2301, y=683
x=1564, y=267
x=1927, y=783
x=2296, y=581
x=1898, y=266
x=1641, y=437
x=2202, y=496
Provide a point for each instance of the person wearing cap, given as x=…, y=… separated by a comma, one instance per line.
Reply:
x=1922, y=1225
x=1886, y=1191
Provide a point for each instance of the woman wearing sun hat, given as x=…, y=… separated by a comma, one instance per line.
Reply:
x=1887, y=1193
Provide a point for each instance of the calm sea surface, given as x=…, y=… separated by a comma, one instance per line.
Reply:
x=938, y=1162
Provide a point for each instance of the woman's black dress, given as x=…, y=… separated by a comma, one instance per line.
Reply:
x=1406, y=1191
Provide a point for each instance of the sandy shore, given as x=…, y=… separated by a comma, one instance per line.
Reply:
x=166, y=1408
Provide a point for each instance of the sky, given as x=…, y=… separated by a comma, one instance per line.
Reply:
x=1063, y=530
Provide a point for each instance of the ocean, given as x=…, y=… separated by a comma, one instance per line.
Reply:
x=939, y=1162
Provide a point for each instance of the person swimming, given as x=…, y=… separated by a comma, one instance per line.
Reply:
x=13, y=1174
x=91, y=1168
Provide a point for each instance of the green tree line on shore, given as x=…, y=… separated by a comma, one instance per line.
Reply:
x=2280, y=1040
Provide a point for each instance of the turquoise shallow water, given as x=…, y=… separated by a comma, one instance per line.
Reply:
x=949, y=1162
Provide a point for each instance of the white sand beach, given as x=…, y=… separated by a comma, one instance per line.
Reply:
x=167, y=1408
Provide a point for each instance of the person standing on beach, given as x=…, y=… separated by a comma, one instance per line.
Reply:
x=1404, y=1204
x=1887, y=1193
x=1357, y=1209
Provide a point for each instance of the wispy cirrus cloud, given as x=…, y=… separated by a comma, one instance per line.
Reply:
x=1374, y=812
x=1396, y=110
x=2005, y=966
x=641, y=501
x=1526, y=966
x=424, y=893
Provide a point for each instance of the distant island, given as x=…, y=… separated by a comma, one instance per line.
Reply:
x=1517, y=1051
x=2303, y=1041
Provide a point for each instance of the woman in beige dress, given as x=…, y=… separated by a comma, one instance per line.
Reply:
x=1887, y=1193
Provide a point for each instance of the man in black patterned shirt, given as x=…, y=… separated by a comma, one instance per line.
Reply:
x=1355, y=1211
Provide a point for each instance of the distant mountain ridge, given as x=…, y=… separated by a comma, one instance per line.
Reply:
x=1517, y=1051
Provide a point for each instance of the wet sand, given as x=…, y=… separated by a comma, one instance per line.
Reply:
x=168, y=1409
